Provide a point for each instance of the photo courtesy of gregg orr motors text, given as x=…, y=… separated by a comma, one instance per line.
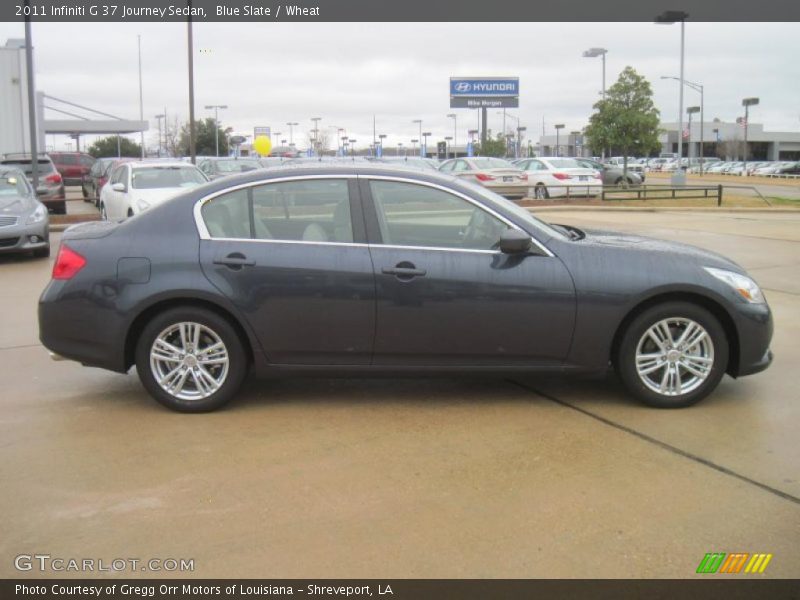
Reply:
x=46, y=563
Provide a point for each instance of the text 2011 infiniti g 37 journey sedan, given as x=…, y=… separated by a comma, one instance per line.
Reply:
x=373, y=269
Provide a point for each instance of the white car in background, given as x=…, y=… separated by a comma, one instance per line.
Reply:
x=136, y=186
x=551, y=177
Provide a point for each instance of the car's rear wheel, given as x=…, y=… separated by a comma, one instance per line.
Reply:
x=673, y=355
x=103, y=213
x=191, y=359
x=540, y=192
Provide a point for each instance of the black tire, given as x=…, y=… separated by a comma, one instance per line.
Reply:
x=625, y=361
x=103, y=213
x=540, y=191
x=237, y=359
x=42, y=252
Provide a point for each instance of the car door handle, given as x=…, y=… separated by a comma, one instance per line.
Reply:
x=404, y=272
x=235, y=260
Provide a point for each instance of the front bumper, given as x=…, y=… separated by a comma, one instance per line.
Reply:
x=755, y=327
x=24, y=238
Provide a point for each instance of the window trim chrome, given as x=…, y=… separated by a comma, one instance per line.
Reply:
x=204, y=234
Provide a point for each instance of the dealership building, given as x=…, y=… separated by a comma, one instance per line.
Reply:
x=722, y=139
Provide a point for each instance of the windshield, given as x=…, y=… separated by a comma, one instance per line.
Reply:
x=237, y=166
x=492, y=163
x=150, y=178
x=12, y=184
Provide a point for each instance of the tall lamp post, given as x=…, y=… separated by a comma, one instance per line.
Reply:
x=158, y=118
x=575, y=135
x=691, y=110
x=747, y=103
x=671, y=17
x=559, y=127
x=421, y=149
x=447, y=140
x=291, y=127
x=381, y=137
x=414, y=145
x=594, y=53
x=316, y=133
x=454, y=116
x=425, y=135
x=518, y=151
x=698, y=88
x=216, y=108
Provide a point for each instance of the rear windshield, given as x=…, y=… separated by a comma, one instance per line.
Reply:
x=492, y=163
x=237, y=166
x=45, y=166
x=564, y=163
x=150, y=178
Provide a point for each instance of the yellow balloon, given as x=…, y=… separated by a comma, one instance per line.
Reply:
x=263, y=145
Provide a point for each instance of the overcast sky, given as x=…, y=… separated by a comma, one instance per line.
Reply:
x=269, y=74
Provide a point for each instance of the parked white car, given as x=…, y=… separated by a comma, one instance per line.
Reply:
x=136, y=186
x=556, y=176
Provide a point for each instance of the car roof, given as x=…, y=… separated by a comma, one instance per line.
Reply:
x=139, y=164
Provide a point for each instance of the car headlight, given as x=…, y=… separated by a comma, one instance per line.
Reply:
x=142, y=204
x=742, y=284
x=38, y=215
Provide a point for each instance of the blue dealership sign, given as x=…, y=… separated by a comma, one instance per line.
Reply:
x=484, y=86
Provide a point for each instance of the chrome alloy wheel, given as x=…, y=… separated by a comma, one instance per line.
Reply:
x=189, y=361
x=674, y=356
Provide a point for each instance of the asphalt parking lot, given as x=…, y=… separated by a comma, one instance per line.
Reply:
x=411, y=478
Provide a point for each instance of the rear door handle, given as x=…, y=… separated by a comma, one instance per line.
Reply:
x=235, y=260
x=404, y=272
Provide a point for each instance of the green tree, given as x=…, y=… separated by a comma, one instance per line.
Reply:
x=493, y=147
x=107, y=147
x=205, y=139
x=627, y=120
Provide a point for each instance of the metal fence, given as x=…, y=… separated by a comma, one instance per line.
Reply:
x=662, y=192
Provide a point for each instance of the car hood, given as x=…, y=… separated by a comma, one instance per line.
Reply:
x=14, y=205
x=638, y=243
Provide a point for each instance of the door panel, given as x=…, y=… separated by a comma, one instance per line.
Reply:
x=457, y=301
x=309, y=301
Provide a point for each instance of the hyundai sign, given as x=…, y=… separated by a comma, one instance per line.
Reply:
x=489, y=86
x=484, y=92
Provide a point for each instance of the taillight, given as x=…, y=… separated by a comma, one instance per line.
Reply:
x=484, y=177
x=68, y=263
x=53, y=178
x=524, y=177
x=561, y=176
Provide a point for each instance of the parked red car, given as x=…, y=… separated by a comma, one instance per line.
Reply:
x=72, y=165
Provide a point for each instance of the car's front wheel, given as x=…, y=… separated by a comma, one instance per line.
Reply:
x=673, y=355
x=191, y=359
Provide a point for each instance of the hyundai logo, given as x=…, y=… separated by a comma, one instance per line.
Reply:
x=463, y=86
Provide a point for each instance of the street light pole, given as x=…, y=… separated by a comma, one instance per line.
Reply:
x=316, y=132
x=593, y=53
x=454, y=116
x=419, y=122
x=141, y=103
x=291, y=139
x=425, y=136
x=158, y=119
x=747, y=103
x=690, y=111
x=698, y=88
x=559, y=127
x=668, y=18
x=216, y=108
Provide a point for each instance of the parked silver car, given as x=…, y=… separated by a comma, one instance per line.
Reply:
x=24, y=221
x=612, y=174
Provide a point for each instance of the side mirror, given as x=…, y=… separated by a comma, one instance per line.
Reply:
x=514, y=241
x=118, y=187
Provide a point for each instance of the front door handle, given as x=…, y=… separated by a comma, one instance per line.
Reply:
x=404, y=270
x=236, y=260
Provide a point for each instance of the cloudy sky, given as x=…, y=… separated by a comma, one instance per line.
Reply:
x=270, y=74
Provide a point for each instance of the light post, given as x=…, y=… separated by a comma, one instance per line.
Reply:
x=520, y=131
x=352, y=144
x=291, y=126
x=671, y=17
x=559, y=127
x=316, y=132
x=690, y=111
x=414, y=146
x=447, y=140
x=594, y=53
x=454, y=116
x=698, y=88
x=399, y=148
x=575, y=135
x=747, y=103
x=421, y=149
x=425, y=135
x=216, y=108
x=473, y=133
x=158, y=119
x=381, y=137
